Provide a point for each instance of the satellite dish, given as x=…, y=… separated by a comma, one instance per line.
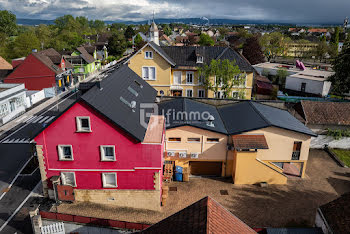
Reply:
x=211, y=118
x=133, y=104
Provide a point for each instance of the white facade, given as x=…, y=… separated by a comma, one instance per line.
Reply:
x=12, y=101
x=34, y=96
x=313, y=86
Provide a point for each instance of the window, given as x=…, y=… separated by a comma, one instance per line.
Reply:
x=235, y=94
x=161, y=92
x=177, y=77
x=199, y=59
x=174, y=139
x=149, y=73
x=107, y=152
x=148, y=55
x=83, y=124
x=201, y=93
x=194, y=140
x=296, y=150
x=219, y=94
x=212, y=140
x=65, y=152
x=189, y=77
x=189, y=92
x=109, y=180
x=219, y=84
x=303, y=87
x=200, y=79
x=68, y=178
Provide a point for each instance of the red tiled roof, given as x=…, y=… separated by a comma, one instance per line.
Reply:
x=203, y=216
x=249, y=142
x=333, y=113
x=264, y=85
x=318, y=30
x=263, y=79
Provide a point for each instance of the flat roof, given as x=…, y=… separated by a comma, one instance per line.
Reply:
x=4, y=87
x=154, y=133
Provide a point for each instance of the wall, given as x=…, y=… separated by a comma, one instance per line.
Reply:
x=208, y=151
x=281, y=143
x=163, y=68
x=135, y=163
x=34, y=97
x=312, y=86
x=248, y=170
x=33, y=73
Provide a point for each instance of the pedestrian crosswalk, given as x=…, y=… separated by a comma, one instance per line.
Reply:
x=17, y=141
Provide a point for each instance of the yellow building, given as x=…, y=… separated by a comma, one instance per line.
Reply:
x=249, y=141
x=173, y=70
x=301, y=49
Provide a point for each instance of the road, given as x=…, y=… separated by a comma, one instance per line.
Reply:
x=16, y=149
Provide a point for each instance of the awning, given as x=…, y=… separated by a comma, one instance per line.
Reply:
x=243, y=142
x=176, y=87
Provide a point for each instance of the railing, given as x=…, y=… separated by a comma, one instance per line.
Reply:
x=296, y=155
x=56, y=228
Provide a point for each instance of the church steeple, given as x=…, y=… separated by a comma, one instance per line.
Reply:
x=153, y=34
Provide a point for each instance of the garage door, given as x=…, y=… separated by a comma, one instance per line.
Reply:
x=206, y=168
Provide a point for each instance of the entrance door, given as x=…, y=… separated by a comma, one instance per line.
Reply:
x=177, y=93
x=177, y=77
x=206, y=168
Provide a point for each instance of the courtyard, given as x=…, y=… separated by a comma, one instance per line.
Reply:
x=291, y=205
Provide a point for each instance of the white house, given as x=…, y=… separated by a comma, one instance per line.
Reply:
x=12, y=101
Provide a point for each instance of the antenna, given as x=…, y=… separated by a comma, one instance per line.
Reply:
x=153, y=16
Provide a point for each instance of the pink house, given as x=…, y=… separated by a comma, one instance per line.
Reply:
x=99, y=151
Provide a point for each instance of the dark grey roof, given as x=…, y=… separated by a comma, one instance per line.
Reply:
x=247, y=116
x=85, y=55
x=191, y=107
x=114, y=96
x=162, y=52
x=187, y=55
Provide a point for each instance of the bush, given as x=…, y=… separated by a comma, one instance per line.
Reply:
x=338, y=134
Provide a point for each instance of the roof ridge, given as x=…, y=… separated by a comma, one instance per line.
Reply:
x=259, y=113
x=222, y=120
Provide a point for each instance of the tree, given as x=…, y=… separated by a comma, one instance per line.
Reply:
x=166, y=29
x=281, y=76
x=335, y=43
x=138, y=41
x=341, y=65
x=205, y=40
x=252, y=51
x=272, y=44
x=322, y=49
x=227, y=75
x=98, y=25
x=129, y=32
x=8, y=24
x=117, y=44
x=24, y=44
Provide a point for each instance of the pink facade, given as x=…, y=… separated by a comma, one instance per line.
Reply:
x=135, y=163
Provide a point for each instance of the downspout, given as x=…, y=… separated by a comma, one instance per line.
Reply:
x=227, y=149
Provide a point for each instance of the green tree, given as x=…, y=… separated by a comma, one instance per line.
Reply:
x=117, y=45
x=341, y=65
x=167, y=30
x=281, y=75
x=322, y=49
x=98, y=25
x=272, y=44
x=129, y=32
x=24, y=44
x=334, y=43
x=205, y=40
x=66, y=22
x=44, y=34
x=8, y=24
x=227, y=75
x=138, y=41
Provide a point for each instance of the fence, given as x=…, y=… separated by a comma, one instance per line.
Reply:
x=56, y=228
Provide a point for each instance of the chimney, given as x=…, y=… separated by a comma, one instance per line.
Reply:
x=98, y=84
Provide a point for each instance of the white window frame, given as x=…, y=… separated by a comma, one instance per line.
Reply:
x=200, y=59
x=237, y=94
x=103, y=156
x=212, y=142
x=220, y=85
x=192, y=73
x=149, y=53
x=201, y=90
x=180, y=77
x=189, y=141
x=221, y=94
x=187, y=93
x=174, y=141
x=60, y=153
x=148, y=67
x=104, y=180
x=78, y=123
x=64, y=181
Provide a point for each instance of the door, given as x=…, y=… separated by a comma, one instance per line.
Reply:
x=177, y=77
x=303, y=86
x=206, y=168
x=177, y=93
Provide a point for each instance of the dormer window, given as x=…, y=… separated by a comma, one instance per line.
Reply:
x=199, y=59
x=148, y=55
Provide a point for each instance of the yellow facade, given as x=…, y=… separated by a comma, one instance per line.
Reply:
x=300, y=49
x=165, y=84
x=245, y=167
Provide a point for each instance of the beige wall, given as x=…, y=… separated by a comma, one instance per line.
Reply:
x=249, y=170
x=138, y=199
x=281, y=143
x=208, y=151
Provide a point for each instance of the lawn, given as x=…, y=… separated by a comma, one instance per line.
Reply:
x=343, y=155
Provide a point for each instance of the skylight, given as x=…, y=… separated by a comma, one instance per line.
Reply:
x=133, y=91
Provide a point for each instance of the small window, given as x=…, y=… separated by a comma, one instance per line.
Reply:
x=174, y=139
x=68, y=178
x=212, y=140
x=161, y=92
x=107, y=152
x=149, y=73
x=189, y=77
x=189, y=93
x=65, y=152
x=235, y=95
x=83, y=124
x=148, y=55
x=194, y=140
x=109, y=180
x=199, y=59
x=201, y=93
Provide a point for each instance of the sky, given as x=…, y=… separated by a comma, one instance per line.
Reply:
x=284, y=11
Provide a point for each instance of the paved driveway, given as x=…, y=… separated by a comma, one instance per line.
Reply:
x=291, y=205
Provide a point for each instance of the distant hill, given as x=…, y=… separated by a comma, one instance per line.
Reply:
x=167, y=21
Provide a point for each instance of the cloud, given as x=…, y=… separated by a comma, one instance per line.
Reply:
x=307, y=11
